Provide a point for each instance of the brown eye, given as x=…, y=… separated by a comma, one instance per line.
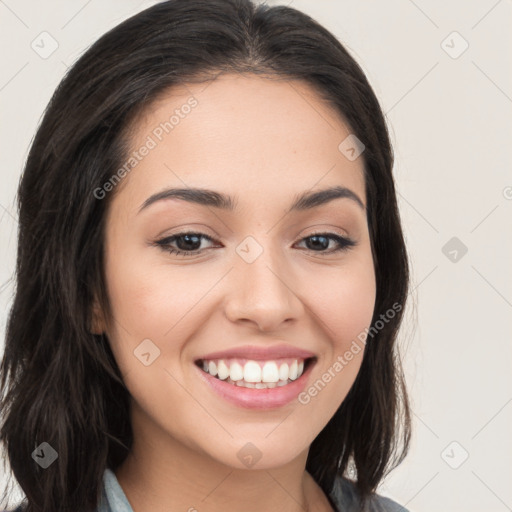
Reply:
x=320, y=241
x=187, y=243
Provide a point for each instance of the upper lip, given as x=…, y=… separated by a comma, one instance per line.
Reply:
x=256, y=352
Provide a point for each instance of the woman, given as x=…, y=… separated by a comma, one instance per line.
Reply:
x=211, y=275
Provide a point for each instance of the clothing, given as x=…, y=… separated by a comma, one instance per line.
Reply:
x=344, y=497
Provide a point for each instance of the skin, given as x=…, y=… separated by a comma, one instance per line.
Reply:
x=263, y=141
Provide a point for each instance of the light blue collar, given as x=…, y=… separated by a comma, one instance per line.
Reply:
x=113, y=498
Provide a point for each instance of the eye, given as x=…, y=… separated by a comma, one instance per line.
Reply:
x=189, y=243
x=322, y=240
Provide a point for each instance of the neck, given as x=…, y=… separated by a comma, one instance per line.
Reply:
x=161, y=473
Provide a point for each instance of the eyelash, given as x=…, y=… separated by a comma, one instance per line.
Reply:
x=164, y=243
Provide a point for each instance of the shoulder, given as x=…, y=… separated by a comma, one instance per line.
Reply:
x=19, y=508
x=346, y=498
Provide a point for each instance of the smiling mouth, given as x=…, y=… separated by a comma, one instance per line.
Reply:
x=250, y=373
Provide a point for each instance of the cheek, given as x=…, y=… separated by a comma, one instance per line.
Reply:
x=344, y=300
x=339, y=304
x=152, y=301
x=350, y=310
x=343, y=306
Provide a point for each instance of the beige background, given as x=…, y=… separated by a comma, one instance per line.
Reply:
x=450, y=117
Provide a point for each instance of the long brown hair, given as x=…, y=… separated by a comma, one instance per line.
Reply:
x=59, y=383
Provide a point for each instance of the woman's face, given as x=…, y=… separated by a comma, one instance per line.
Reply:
x=257, y=276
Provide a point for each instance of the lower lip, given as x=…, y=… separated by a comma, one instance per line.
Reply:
x=252, y=398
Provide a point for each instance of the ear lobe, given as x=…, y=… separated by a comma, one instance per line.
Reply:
x=97, y=322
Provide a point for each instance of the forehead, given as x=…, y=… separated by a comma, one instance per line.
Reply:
x=250, y=136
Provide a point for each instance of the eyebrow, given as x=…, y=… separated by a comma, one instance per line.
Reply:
x=205, y=197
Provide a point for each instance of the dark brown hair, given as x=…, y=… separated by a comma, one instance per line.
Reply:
x=59, y=383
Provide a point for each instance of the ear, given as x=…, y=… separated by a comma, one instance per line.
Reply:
x=98, y=321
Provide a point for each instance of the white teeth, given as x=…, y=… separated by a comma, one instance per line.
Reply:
x=270, y=373
x=258, y=385
x=223, y=370
x=236, y=372
x=293, y=371
x=283, y=371
x=255, y=373
x=252, y=372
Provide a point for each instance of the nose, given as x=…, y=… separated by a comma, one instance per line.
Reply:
x=263, y=293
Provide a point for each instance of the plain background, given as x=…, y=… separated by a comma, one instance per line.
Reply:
x=448, y=109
